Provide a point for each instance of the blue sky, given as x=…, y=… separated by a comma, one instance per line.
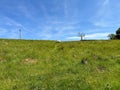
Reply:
x=58, y=19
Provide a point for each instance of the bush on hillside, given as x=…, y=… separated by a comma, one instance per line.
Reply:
x=115, y=36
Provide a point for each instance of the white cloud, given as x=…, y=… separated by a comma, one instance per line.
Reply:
x=90, y=36
x=4, y=33
x=97, y=36
x=56, y=29
x=73, y=38
x=102, y=24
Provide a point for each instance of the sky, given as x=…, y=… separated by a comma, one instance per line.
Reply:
x=59, y=19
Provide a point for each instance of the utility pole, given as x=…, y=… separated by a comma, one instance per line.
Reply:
x=20, y=33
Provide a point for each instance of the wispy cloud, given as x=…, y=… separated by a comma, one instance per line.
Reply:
x=11, y=22
x=44, y=10
x=104, y=15
x=53, y=31
x=105, y=2
x=4, y=33
x=10, y=28
x=58, y=19
x=27, y=11
x=66, y=8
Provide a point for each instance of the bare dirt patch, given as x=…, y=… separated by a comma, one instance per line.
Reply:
x=116, y=56
x=101, y=69
x=2, y=60
x=29, y=61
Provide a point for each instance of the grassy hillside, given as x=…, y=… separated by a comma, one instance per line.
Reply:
x=51, y=65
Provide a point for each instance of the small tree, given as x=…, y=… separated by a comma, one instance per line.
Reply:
x=118, y=33
x=112, y=36
x=115, y=36
x=81, y=35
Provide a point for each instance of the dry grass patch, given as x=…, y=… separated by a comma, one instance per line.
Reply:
x=2, y=60
x=117, y=56
x=101, y=69
x=29, y=61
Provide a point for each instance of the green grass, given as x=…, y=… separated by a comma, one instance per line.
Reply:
x=52, y=65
